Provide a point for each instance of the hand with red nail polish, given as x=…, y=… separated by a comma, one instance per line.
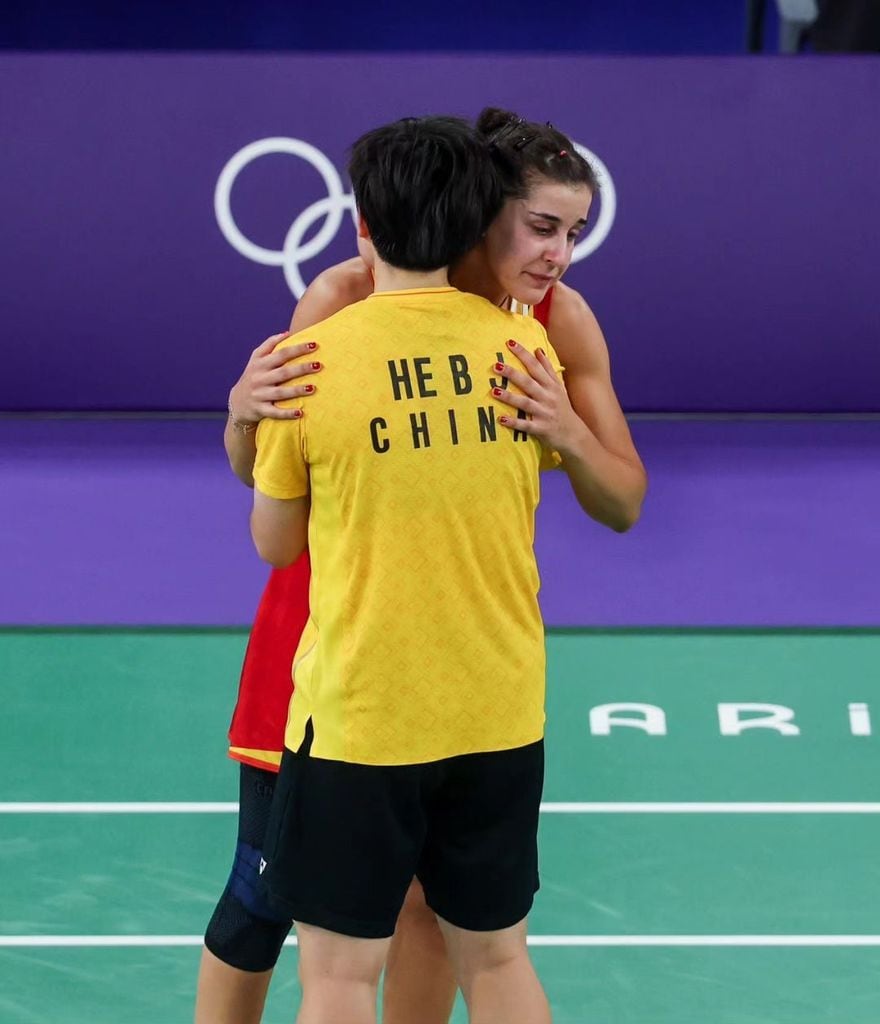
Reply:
x=272, y=375
x=538, y=391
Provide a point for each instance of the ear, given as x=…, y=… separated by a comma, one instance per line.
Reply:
x=362, y=230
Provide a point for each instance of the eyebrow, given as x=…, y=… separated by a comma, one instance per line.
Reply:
x=554, y=219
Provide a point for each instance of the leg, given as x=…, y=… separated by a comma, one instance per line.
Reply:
x=244, y=937
x=339, y=975
x=479, y=870
x=240, y=951
x=341, y=849
x=496, y=975
x=226, y=995
x=419, y=981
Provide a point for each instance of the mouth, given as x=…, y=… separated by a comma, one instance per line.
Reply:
x=542, y=279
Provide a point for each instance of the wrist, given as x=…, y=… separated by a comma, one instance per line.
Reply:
x=240, y=423
x=571, y=446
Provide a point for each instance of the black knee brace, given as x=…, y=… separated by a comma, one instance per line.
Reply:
x=244, y=931
x=241, y=938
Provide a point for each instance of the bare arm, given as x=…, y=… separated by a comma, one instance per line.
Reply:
x=279, y=527
x=268, y=377
x=583, y=421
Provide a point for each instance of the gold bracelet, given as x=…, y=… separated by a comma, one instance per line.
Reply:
x=242, y=426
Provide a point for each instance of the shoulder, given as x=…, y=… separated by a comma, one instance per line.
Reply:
x=332, y=290
x=574, y=331
x=350, y=280
x=569, y=307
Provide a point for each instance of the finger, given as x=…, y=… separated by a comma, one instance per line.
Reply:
x=274, y=413
x=523, y=381
x=517, y=401
x=549, y=369
x=534, y=368
x=292, y=372
x=515, y=423
x=265, y=347
x=544, y=360
x=284, y=355
x=283, y=394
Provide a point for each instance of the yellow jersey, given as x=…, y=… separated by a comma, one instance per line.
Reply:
x=425, y=639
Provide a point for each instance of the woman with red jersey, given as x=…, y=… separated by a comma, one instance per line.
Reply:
x=518, y=263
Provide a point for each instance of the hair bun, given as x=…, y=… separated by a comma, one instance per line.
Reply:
x=524, y=151
x=493, y=119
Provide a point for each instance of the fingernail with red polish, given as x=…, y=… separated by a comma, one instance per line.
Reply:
x=309, y=388
x=312, y=345
x=511, y=344
x=316, y=366
x=297, y=413
x=497, y=392
x=502, y=419
x=499, y=367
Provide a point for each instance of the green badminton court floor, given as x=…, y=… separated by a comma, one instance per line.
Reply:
x=713, y=862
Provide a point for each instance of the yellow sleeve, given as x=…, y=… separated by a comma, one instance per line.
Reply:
x=281, y=469
x=549, y=460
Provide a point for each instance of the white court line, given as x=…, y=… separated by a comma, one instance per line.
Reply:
x=652, y=807
x=140, y=807
x=132, y=941
x=704, y=940
x=716, y=807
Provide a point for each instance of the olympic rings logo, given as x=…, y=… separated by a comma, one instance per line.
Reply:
x=334, y=205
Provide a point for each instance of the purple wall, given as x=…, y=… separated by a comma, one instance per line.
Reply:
x=746, y=524
x=740, y=271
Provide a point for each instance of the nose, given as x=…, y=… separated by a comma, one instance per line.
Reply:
x=555, y=251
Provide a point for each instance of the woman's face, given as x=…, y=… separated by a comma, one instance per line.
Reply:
x=528, y=246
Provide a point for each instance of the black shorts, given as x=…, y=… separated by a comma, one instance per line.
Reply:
x=345, y=840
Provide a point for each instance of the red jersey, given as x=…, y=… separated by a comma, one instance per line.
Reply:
x=541, y=312
x=256, y=735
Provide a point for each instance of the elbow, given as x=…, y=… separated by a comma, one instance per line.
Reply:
x=243, y=474
x=625, y=520
x=279, y=554
x=618, y=515
x=629, y=512
x=277, y=559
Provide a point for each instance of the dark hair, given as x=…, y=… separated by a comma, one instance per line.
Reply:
x=427, y=189
x=525, y=150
